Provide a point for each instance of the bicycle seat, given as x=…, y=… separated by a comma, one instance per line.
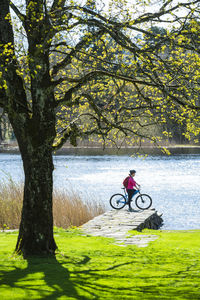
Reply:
x=123, y=188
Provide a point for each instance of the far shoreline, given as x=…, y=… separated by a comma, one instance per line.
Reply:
x=97, y=150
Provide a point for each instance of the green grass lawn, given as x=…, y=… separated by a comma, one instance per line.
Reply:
x=93, y=268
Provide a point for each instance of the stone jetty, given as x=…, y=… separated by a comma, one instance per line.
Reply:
x=116, y=224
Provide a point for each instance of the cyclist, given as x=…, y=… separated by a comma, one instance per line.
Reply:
x=131, y=187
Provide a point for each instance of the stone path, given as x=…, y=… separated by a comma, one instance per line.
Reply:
x=116, y=224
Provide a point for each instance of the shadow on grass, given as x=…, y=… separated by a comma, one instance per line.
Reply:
x=43, y=277
x=166, y=287
x=49, y=278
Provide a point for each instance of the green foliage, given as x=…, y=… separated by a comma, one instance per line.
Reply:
x=97, y=269
x=121, y=77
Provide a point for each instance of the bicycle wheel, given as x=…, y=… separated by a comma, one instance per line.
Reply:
x=143, y=201
x=117, y=201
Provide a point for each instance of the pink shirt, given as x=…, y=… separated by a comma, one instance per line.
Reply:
x=131, y=183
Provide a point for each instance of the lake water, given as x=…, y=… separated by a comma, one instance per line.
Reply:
x=172, y=181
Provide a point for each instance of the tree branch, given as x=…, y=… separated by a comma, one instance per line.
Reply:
x=67, y=60
x=21, y=16
x=151, y=16
x=57, y=4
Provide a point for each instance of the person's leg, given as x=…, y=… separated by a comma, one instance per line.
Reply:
x=135, y=192
x=130, y=195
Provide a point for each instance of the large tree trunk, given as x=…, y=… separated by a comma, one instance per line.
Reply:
x=36, y=228
x=33, y=122
x=35, y=136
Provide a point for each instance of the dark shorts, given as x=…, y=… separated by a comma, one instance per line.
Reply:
x=130, y=193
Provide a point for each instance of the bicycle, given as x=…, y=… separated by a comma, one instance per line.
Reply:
x=118, y=201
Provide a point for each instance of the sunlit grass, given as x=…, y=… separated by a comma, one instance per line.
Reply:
x=94, y=268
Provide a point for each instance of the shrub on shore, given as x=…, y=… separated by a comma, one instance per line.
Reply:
x=68, y=208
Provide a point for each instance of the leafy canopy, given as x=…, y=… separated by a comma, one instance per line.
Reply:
x=104, y=69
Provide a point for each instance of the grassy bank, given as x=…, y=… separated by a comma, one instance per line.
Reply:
x=94, y=268
x=68, y=208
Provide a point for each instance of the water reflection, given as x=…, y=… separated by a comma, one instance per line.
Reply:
x=173, y=182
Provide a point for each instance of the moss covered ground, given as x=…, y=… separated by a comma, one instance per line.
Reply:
x=88, y=267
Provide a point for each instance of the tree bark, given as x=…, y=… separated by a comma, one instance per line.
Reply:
x=35, y=135
x=36, y=228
